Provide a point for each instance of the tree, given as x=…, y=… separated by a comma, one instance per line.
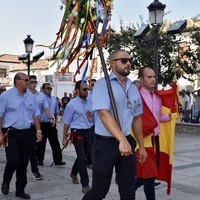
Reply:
x=170, y=54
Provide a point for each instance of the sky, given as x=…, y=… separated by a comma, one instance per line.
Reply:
x=41, y=19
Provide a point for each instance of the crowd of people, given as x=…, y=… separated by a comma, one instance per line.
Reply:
x=103, y=140
x=190, y=106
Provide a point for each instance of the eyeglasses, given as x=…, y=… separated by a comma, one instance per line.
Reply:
x=24, y=79
x=124, y=60
x=85, y=89
x=49, y=88
x=33, y=82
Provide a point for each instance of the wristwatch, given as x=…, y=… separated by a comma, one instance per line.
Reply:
x=39, y=131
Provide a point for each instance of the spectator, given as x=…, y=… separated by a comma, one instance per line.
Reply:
x=186, y=106
x=196, y=108
x=65, y=100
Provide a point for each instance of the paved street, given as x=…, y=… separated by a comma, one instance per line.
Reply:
x=57, y=185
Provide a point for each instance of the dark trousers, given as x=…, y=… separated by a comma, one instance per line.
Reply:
x=33, y=158
x=89, y=159
x=82, y=143
x=149, y=188
x=18, y=154
x=106, y=156
x=52, y=134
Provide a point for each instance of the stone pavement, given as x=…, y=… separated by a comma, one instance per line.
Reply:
x=57, y=185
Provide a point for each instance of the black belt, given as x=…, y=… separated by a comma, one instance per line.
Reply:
x=107, y=138
x=19, y=130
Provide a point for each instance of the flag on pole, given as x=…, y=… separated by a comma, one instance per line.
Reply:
x=170, y=102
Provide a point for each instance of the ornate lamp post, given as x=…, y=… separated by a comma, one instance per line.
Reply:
x=156, y=12
x=28, y=42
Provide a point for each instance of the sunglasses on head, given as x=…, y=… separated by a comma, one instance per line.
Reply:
x=33, y=82
x=85, y=89
x=49, y=88
x=124, y=60
x=24, y=79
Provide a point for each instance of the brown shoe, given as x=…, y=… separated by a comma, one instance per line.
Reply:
x=74, y=179
x=85, y=189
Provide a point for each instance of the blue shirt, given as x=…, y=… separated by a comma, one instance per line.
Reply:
x=41, y=101
x=75, y=114
x=53, y=107
x=101, y=100
x=16, y=110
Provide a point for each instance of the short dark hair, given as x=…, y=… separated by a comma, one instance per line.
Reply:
x=141, y=71
x=32, y=77
x=78, y=84
x=44, y=85
x=92, y=80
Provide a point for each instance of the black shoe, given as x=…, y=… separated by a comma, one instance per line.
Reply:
x=60, y=163
x=23, y=195
x=37, y=176
x=5, y=188
x=40, y=163
x=157, y=183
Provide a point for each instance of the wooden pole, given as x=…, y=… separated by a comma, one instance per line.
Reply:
x=110, y=91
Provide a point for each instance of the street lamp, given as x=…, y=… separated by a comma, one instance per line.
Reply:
x=156, y=12
x=28, y=43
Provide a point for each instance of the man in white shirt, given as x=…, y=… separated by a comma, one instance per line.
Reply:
x=186, y=106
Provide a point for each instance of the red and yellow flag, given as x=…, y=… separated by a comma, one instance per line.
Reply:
x=170, y=102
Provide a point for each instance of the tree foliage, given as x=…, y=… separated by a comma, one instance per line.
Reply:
x=173, y=59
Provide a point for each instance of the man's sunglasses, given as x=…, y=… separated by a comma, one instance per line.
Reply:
x=124, y=60
x=85, y=89
x=49, y=88
x=33, y=82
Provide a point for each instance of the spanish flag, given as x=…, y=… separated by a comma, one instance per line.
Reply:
x=170, y=101
x=167, y=131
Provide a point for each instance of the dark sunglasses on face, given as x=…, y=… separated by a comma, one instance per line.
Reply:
x=49, y=88
x=33, y=82
x=24, y=79
x=85, y=89
x=124, y=60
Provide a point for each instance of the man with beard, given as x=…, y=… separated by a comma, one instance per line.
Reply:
x=114, y=146
x=78, y=117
